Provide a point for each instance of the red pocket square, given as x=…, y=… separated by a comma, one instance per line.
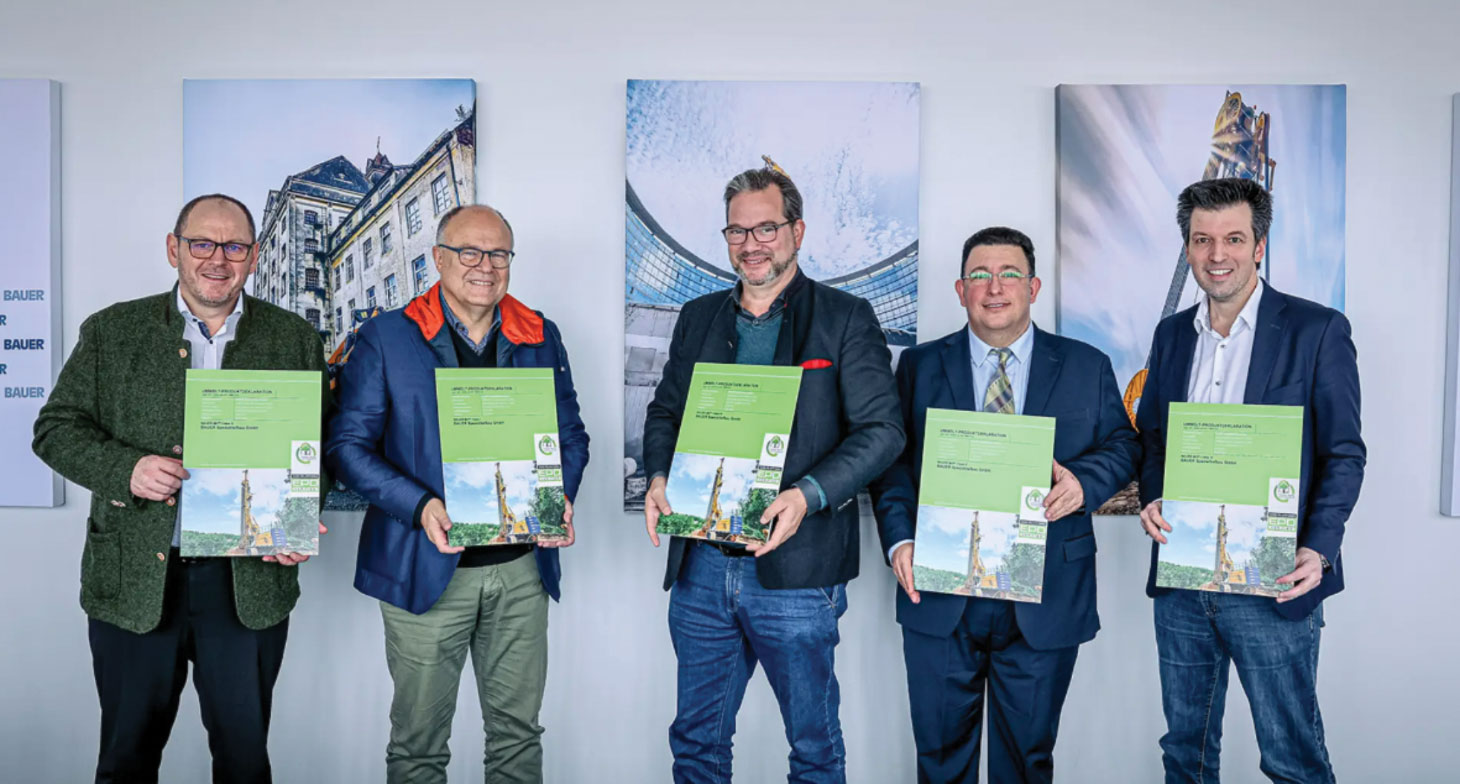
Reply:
x=816, y=364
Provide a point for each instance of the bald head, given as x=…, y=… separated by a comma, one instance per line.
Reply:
x=219, y=200
x=475, y=216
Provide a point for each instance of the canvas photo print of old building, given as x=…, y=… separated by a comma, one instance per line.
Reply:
x=347, y=181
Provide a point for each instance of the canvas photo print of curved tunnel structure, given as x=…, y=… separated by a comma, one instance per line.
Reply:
x=850, y=147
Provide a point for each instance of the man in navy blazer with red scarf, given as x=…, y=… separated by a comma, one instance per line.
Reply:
x=1246, y=342
x=777, y=603
x=440, y=602
x=1023, y=653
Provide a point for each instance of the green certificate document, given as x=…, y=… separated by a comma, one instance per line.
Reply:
x=1231, y=497
x=251, y=448
x=501, y=460
x=981, y=527
x=731, y=451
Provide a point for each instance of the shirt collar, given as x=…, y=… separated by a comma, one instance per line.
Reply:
x=461, y=329
x=777, y=305
x=228, y=323
x=979, y=351
x=1247, y=318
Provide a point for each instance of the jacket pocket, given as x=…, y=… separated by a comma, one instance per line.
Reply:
x=101, y=562
x=1080, y=547
x=1294, y=394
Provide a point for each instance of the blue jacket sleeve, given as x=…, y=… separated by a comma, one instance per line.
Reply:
x=895, y=492
x=362, y=413
x=571, y=432
x=1110, y=462
x=1151, y=422
x=1338, y=448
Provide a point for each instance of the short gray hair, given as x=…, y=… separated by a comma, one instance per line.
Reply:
x=752, y=180
x=457, y=210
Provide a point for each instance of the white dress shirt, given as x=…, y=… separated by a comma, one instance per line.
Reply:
x=206, y=353
x=985, y=365
x=1219, y=364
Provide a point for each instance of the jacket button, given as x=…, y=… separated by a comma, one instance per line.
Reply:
x=177, y=450
x=171, y=501
x=161, y=557
x=182, y=352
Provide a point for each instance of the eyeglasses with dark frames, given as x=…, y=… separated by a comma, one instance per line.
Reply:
x=765, y=232
x=205, y=249
x=472, y=257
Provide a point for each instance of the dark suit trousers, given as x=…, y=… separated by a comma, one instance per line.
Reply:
x=140, y=677
x=946, y=677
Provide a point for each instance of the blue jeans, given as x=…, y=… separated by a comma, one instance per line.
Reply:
x=722, y=622
x=1199, y=635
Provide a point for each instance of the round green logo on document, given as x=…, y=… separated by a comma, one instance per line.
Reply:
x=547, y=446
x=1034, y=501
x=775, y=446
x=306, y=454
x=1283, y=491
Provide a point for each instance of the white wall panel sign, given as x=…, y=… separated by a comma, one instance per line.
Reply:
x=30, y=283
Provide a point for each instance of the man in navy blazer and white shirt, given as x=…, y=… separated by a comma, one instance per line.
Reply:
x=1246, y=342
x=954, y=645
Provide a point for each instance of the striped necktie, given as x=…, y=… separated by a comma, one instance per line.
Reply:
x=1000, y=396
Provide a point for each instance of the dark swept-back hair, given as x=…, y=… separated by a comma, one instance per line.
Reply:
x=998, y=235
x=1225, y=192
x=182, y=215
x=752, y=180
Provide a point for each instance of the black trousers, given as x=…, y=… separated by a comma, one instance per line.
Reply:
x=948, y=678
x=140, y=678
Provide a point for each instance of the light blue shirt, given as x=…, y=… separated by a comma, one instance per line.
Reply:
x=985, y=366
x=465, y=333
x=205, y=352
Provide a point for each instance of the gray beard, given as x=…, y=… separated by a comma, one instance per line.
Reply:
x=777, y=270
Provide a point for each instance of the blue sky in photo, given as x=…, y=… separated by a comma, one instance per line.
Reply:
x=242, y=137
x=1193, y=537
x=943, y=534
x=471, y=490
x=212, y=499
x=691, y=476
x=1126, y=152
x=850, y=147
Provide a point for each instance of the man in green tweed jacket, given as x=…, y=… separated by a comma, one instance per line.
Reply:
x=114, y=424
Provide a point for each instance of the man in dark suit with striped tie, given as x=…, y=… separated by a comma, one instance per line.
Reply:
x=1022, y=653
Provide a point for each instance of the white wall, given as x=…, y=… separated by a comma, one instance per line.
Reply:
x=551, y=97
